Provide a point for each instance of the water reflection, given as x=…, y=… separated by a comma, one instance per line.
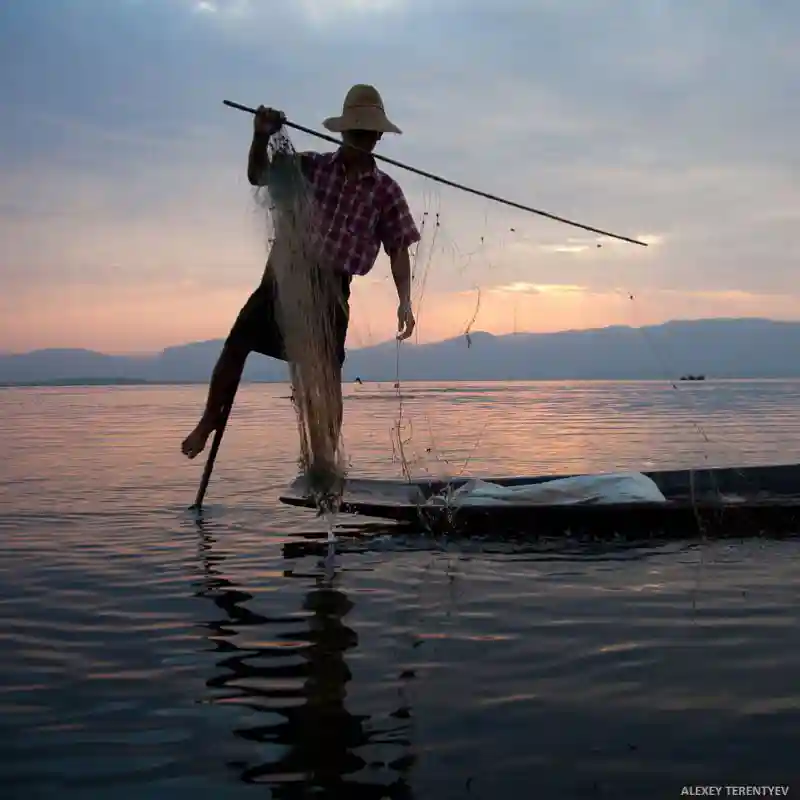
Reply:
x=387, y=538
x=299, y=684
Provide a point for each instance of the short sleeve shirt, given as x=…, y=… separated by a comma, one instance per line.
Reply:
x=355, y=216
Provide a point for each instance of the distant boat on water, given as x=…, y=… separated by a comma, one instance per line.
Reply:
x=693, y=377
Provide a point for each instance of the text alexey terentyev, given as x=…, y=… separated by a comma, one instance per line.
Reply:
x=734, y=791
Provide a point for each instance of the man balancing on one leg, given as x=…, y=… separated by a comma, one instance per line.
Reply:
x=356, y=208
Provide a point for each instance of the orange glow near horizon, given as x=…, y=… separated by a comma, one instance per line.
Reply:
x=148, y=318
x=180, y=268
x=180, y=271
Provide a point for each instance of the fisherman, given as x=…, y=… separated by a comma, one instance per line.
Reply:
x=359, y=208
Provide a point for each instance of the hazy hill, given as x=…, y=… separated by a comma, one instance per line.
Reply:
x=721, y=348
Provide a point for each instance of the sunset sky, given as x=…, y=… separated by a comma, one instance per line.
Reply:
x=127, y=224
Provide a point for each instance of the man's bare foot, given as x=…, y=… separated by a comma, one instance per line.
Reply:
x=195, y=442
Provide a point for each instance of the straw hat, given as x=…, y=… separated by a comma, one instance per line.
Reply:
x=362, y=110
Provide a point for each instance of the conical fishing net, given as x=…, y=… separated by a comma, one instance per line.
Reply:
x=309, y=295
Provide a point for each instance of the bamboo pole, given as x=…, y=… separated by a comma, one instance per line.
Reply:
x=453, y=184
x=212, y=454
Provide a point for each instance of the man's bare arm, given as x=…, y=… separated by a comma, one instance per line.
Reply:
x=257, y=161
x=401, y=273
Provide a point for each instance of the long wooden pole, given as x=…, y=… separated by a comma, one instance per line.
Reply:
x=446, y=182
x=212, y=454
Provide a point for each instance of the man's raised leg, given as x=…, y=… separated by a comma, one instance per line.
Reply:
x=224, y=379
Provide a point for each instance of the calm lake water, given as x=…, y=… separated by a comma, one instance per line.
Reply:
x=147, y=656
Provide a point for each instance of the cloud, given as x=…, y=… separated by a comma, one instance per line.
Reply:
x=332, y=11
x=564, y=248
x=224, y=8
x=666, y=122
x=520, y=287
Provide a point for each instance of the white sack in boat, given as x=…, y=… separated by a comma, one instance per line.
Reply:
x=624, y=487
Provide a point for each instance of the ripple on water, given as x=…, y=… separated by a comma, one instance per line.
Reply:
x=146, y=655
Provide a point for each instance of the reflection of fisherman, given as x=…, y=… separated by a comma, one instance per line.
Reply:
x=320, y=736
x=324, y=733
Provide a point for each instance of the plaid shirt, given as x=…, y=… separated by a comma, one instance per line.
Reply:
x=355, y=216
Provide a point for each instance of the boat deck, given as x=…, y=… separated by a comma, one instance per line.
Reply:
x=717, y=501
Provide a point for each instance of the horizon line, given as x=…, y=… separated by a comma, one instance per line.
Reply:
x=471, y=334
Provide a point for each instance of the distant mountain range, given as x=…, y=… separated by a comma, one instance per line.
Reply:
x=717, y=348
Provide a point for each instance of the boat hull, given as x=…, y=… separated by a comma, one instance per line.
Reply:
x=745, y=501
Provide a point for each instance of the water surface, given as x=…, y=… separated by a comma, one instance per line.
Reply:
x=144, y=655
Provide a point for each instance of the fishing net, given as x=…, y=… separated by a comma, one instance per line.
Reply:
x=477, y=267
x=309, y=297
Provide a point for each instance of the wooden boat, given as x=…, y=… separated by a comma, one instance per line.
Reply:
x=722, y=501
